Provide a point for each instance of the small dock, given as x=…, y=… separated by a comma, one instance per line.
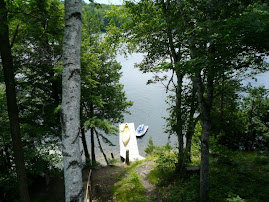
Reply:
x=131, y=145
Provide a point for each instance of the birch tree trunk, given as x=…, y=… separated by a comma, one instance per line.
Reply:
x=70, y=116
x=12, y=107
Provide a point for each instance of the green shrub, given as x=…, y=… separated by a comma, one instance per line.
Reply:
x=235, y=199
x=185, y=190
x=150, y=146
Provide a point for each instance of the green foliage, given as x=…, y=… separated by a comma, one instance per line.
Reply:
x=129, y=186
x=36, y=31
x=101, y=20
x=113, y=161
x=103, y=100
x=150, y=147
x=255, y=108
x=170, y=184
x=196, y=144
x=235, y=198
x=166, y=159
x=153, y=150
x=185, y=190
x=239, y=173
x=164, y=30
x=234, y=176
x=101, y=124
x=37, y=51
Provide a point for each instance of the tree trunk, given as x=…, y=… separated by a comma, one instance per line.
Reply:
x=205, y=108
x=175, y=57
x=12, y=107
x=206, y=130
x=92, y=136
x=179, y=112
x=101, y=148
x=179, y=122
x=71, y=92
x=92, y=146
x=84, y=143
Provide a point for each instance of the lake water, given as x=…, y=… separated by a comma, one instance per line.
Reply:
x=149, y=106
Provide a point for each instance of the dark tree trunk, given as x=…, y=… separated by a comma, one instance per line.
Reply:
x=205, y=108
x=175, y=58
x=206, y=130
x=83, y=136
x=179, y=113
x=179, y=122
x=92, y=146
x=92, y=136
x=84, y=143
x=101, y=148
x=13, y=112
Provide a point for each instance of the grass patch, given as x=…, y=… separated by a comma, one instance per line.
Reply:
x=153, y=176
x=129, y=186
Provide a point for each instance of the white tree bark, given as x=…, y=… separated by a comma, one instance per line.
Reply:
x=71, y=90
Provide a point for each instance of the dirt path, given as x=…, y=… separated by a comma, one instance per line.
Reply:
x=103, y=180
x=143, y=171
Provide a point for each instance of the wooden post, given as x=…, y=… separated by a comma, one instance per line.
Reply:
x=127, y=158
x=88, y=194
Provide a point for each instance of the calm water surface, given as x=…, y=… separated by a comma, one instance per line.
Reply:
x=149, y=105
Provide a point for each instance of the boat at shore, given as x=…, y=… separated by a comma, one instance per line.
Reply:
x=141, y=130
x=125, y=134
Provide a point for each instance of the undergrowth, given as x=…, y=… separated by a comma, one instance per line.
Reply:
x=234, y=176
x=129, y=186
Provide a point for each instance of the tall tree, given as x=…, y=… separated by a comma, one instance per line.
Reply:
x=163, y=44
x=37, y=52
x=13, y=113
x=70, y=112
x=203, y=36
x=105, y=105
x=214, y=50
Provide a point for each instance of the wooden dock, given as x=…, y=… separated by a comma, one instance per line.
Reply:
x=131, y=145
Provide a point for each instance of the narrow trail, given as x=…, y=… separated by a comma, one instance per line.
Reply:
x=105, y=178
x=151, y=191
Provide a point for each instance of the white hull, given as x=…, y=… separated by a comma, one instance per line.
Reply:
x=143, y=132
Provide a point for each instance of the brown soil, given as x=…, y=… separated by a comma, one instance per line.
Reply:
x=103, y=180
